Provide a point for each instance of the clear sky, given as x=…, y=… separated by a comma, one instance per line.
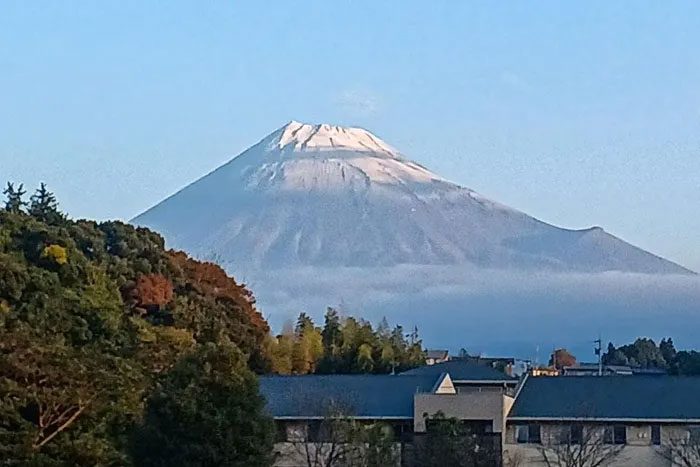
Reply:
x=579, y=113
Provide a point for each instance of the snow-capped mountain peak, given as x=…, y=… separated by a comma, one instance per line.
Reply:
x=324, y=195
x=296, y=136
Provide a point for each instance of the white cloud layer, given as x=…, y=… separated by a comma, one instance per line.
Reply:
x=494, y=311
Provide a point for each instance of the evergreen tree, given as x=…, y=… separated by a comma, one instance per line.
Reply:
x=668, y=350
x=331, y=332
x=44, y=207
x=15, y=198
x=207, y=412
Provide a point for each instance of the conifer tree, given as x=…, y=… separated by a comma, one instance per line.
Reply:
x=14, y=202
x=44, y=206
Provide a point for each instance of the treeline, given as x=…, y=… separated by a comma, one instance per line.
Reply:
x=345, y=345
x=115, y=351
x=645, y=353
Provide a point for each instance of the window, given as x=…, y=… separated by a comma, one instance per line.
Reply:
x=608, y=435
x=656, y=435
x=575, y=434
x=694, y=433
x=615, y=434
x=528, y=433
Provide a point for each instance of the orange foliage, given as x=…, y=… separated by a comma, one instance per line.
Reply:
x=211, y=279
x=561, y=358
x=152, y=290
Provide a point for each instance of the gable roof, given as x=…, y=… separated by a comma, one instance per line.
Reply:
x=436, y=354
x=609, y=398
x=368, y=396
x=462, y=370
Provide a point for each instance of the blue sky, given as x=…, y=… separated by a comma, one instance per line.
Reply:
x=581, y=114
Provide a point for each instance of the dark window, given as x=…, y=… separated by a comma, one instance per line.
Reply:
x=533, y=433
x=608, y=435
x=620, y=434
x=656, y=435
x=528, y=433
x=694, y=434
x=576, y=434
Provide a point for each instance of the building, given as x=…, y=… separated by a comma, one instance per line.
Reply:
x=478, y=395
x=468, y=376
x=436, y=356
x=636, y=418
x=592, y=369
x=630, y=420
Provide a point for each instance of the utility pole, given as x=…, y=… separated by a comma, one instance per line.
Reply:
x=598, y=352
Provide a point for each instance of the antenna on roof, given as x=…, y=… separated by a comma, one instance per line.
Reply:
x=598, y=352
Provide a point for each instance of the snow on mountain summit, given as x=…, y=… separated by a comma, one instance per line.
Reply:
x=325, y=195
x=303, y=136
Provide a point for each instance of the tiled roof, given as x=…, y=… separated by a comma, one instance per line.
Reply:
x=609, y=397
x=461, y=370
x=354, y=395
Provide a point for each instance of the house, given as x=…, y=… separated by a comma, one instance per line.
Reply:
x=508, y=365
x=592, y=369
x=636, y=421
x=468, y=376
x=436, y=356
x=640, y=420
x=479, y=396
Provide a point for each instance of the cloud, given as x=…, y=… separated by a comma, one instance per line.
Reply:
x=358, y=102
x=494, y=311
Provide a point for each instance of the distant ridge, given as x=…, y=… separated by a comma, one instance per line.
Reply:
x=324, y=195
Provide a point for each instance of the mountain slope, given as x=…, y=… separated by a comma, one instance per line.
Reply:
x=324, y=195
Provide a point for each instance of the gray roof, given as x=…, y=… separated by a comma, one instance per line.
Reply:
x=461, y=370
x=372, y=396
x=609, y=397
x=436, y=353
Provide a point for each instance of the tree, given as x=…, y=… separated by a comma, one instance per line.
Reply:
x=561, y=358
x=331, y=332
x=682, y=450
x=578, y=445
x=44, y=207
x=687, y=362
x=365, y=363
x=614, y=356
x=644, y=353
x=668, y=352
x=76, y=363
x=340, y=440
x=15, y=198
x=448, y=442
x=207, y=411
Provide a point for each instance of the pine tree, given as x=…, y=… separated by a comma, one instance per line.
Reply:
x=15, y=202
x=331, y=332
x=44, y=206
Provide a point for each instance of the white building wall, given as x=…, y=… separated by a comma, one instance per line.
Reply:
x=638, y=452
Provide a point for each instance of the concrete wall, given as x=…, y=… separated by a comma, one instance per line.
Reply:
x=487, y=405
x=637, y=452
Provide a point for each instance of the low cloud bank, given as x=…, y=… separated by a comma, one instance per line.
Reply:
x=491, y=311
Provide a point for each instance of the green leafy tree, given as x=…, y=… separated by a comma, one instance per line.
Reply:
x=448, y=442
x=77, y=357
x=206, y=412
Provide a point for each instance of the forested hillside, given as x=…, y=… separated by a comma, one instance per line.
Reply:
x=116, y=351
x=91, y=316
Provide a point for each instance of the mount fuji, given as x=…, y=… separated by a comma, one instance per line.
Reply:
x=330, y=196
